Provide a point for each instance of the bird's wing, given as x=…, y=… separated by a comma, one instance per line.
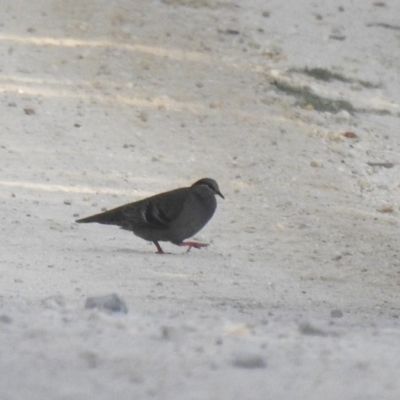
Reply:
x=157, y=211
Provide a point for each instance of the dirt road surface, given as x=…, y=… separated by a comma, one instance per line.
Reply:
x=293, y=107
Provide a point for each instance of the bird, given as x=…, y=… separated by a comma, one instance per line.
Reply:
x=171, y=216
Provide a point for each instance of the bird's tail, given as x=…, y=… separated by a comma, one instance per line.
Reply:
x=111, y=217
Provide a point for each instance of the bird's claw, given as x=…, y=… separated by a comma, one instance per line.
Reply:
x=196, y=245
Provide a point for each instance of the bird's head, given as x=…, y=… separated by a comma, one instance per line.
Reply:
x=211, y=184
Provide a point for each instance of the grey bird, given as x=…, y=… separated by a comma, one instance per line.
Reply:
x=166, y=217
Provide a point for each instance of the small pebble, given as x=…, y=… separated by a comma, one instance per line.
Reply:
x=172, y=332
x=386, y=208
x=306, y=328
x=5, y=319
x=143, y=116
x=349, y=135
x=248, y=360
x=315, y=164
x=56, y=302
x=381, y=164
x=29, y=111
x=110, y=303
x=336, y=313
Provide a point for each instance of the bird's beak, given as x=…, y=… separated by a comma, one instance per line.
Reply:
x=220, y=194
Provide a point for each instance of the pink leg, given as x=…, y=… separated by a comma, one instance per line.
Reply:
x=159, y=249
x=196, y=245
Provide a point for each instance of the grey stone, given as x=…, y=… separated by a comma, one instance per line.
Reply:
x=248, y=360
x=110, y=303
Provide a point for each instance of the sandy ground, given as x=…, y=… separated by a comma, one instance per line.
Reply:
x=293, y=107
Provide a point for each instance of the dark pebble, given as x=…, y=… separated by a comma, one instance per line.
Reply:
x=29, y=111
x=248, y=360
x=307, y=329
x=110, y=303
x=336, y=313
x=5, y=319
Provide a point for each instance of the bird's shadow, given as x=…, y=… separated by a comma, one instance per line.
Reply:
x=133, y=251
x=147, y=253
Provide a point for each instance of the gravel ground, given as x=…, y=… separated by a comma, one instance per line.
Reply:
x=293, y=107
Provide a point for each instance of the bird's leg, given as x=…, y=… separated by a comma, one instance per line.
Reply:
x=196, y=245
x=159, y=249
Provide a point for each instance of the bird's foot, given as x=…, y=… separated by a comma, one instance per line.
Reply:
x=159, y=249
x=196, y=245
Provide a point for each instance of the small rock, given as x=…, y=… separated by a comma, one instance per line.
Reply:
x=229, y=31
x=5, y=319
x=110, y=303
x=29, y=111
x=56, y=302
x=92, y=359
x=306, y=328
x=172, y=332
x=215, y=105
x=67, y=202
x=240, y=330
x=337, y=36
x=381, y=164
x=349, y=135
x=386, y=208
x=336, y=313
x=364, y=185
x=316, y=164
x=248, y=360
x=343, y=116
x=143, y=116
